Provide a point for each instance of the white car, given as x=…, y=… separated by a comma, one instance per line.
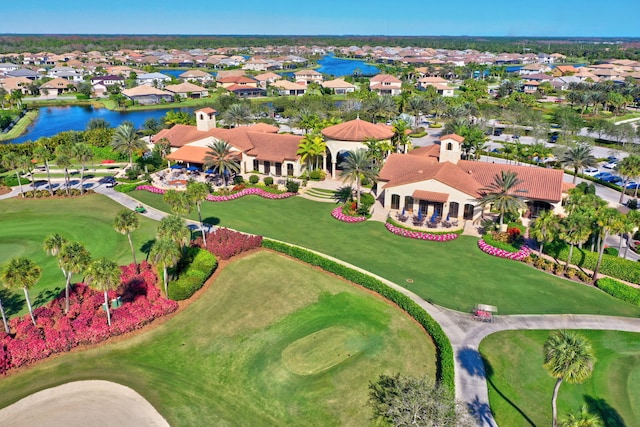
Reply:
x=590, y=171
x=611, y=165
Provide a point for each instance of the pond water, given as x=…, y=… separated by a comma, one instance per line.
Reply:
x=339, y=67
x=173, y=72
x=53, y=120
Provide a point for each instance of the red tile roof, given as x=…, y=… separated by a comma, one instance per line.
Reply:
x=357, y=130
x=430, y=196
x=453, y=136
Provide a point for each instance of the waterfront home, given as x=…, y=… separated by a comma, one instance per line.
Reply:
x=152, y=79
x=285, y=87
x=385, y=84
x=199, y=76
x=147, y=95
x=306, y=77
x=16, y=83
x=57, y=86
x=188, y=90
x=265, y=78
x=338, y=86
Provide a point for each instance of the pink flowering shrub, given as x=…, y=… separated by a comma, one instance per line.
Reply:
x=501, y=253
x=340, y=216
x=225, y=243
x=243, y=192
x=86, y=322
x=420, y=235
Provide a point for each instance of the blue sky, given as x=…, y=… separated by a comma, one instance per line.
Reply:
x=356, y=17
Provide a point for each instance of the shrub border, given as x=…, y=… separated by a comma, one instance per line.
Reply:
x=395, y=223
x=444, y=350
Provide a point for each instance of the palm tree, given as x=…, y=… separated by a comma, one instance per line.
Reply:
x=22, y=273
x=4, y=319
x=42, y=153
x=575, y=230
x=629, y=167
x=73, y=258
x=12, y=161
x=125, y=140
x=416, y=105
x=567, y=357
x=220, y=158
x=609, y=220
x=165, y=252
x=198, y=192
x=179, y=202
x=357, y=165
x=53, y=245
x=237, y=114
x=306, y=151
x=126, y=222
x=439, y=106
x=502, y=194
x=63, y=159
x=582, y=419
x=544, y=228
x=174, y=228
x=82, y=152
x=104, y=275
x=578, y=157
x=382, y=106
x=400, y=137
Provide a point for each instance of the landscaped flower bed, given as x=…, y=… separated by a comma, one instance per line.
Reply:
x=86, y=322
x=211, y=198
x=501, y=253
x=340, y=216
x=420, y=235
x=225, y=243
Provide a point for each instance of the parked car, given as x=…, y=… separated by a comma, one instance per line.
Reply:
x=591, y=171
x=610, y=165
x=632, y=185
x=603, y=175
x=498, y=131
x=612, y=159
x=554, y=137
x=614, y=180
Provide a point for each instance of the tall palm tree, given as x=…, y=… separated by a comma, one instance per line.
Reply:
x=237, y=114
x=609, y=221
x=220, y=158
x=575, y=230
x=438, y=106
x=629, y=167
x=357, y=165
x=545, y=228
x=503, y=194
x=382, y=106
x=12, y=161
x=104, y=275
x=400, y=137
x=416, y=106
x=126, y=222
x=73, y=259
x=198, y=192
x=125, y=140
x=82, y=152
x=53, y=245
x=22, y=273
x=306, y=151
x=165, y=252
x=180, y=202
x=174, y=228
x=584, y=418
x=567, y=357
x=578, y=157
x=4, y=319
x=63, y=159
x=43, y=153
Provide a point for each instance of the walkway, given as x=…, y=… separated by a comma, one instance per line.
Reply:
x=464, y=333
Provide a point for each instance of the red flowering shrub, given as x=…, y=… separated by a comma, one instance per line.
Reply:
x=86, y=322
x=225, y=243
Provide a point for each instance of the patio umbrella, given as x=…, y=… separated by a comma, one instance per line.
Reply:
x=447, y=217
x=419, y=214
x=176, y=166
x=209, y=171
x=403, y=211
x=193, y=168
x=433, y=217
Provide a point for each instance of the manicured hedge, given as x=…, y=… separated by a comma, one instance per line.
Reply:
x=619, y=290
x=620, y=268
x=488, y=238
x=400, y=225
x=444, y=350
x=194, y=276
x=125, y=188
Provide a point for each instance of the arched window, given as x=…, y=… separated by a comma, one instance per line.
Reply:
x=453, y=209
x=408, y=203
x=468, y=211
x=395, y=201
x=449, y=146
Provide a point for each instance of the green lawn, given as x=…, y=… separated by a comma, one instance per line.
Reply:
x=454, y=274
x=520, y=388
x=271, y=342
x=87, y=219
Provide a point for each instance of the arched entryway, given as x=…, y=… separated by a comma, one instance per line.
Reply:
x=536, y=207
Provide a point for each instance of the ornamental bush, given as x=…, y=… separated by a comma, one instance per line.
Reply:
x=268, y=180
x=444, y=351
x=613, y=266
x=193, y=275
x=619, y=290
x=253, y=179
x=225, y=243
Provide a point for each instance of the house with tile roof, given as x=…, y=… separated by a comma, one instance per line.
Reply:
x=187, y=90
x=199, y=76
x=435, y=180
x=257, y=147
x=305, y=77
x=385, y=84
x=338, y=86
x=147, y=95
x=285, y=88
x=58, y=86
x=265, y=78
x=16, y=83
x=152, y=79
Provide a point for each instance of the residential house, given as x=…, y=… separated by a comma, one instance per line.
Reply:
x=199, y=76
x=265, y=78
x=306, y=77
x=152, y=79
x=23, y=72
x=564, y=70
x=237, y=80
x=534, y=69
x=530, y=87
x=147, y=95
x=285, y=87
x=16, y=83
x=58, y=86
x=385, y=84
x=435, y=181
x=5, y=67
x=188, y=90
x=66, y=73
x=338, y=86
x=246, y=91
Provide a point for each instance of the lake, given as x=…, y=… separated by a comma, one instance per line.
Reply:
x=339, y=67
x=173, y=72
x=53, y=120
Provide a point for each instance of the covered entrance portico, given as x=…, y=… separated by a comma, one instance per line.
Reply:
x=431, y=203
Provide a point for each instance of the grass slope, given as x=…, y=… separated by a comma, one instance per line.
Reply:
x=87, y=219
x=520, y=388
x=454, y=274
x=271, y=342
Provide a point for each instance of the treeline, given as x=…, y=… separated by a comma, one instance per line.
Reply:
x=588, y=48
